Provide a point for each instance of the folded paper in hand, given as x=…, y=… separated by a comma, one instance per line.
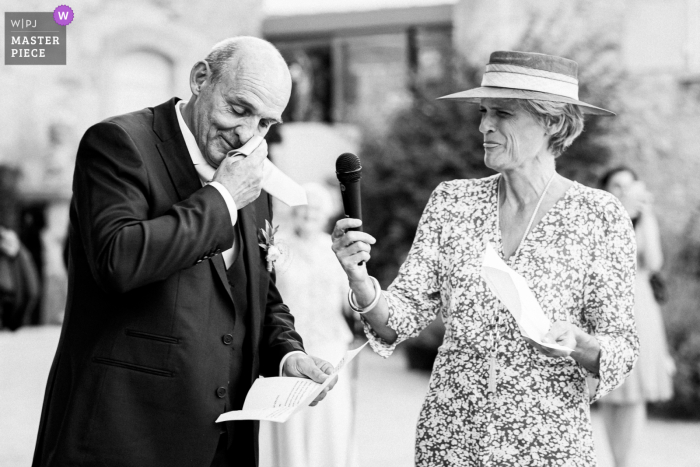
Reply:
x=512, y=290
x=276, y=399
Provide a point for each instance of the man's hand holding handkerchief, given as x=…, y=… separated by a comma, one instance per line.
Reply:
x=274, y=181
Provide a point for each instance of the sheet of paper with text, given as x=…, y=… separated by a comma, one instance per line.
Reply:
x=512, y=290
x=276, y=399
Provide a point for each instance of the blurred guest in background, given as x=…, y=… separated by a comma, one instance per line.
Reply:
x=495, y=398
x=316, y=289
x=19, y=281
x=624, y=409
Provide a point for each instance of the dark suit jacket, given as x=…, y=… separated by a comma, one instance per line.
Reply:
x=141, y=355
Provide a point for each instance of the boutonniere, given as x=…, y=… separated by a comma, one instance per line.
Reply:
x=266, y=237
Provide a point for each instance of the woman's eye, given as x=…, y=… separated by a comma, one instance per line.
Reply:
x=238, y=110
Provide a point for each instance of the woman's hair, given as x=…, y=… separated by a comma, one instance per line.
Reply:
x=565, y=119
x=605, y=178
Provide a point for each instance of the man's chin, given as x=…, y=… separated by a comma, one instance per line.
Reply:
x=216, y=159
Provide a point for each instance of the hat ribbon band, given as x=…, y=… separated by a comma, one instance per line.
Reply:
x=527, y=81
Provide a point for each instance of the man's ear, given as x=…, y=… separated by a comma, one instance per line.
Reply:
x=199, y=76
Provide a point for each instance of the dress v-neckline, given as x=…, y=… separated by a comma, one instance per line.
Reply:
x=523, y=241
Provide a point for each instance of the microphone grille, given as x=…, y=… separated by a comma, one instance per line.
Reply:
x=347, y=162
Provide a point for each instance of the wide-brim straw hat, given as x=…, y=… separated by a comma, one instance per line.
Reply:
x=528, y=75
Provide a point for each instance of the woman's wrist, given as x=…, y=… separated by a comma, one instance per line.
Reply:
x=363, y=290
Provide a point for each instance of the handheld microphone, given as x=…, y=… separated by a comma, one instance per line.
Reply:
x=349, y=172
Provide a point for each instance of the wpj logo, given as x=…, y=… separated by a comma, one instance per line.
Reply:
x=37, y=38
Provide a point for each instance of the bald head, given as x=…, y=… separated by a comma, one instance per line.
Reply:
x=239, y=91
x=243, y=51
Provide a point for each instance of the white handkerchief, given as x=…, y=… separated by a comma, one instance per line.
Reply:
x=281, y=186
x=512, y=290
x=274, y=181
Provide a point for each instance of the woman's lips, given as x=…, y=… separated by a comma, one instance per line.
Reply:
x=490, y=145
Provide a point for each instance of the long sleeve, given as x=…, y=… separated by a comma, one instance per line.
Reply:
x=126, y=243
x=414, y=296
x=279, y=337
x=609, y=298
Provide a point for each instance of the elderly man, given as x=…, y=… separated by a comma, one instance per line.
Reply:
x=172, y=312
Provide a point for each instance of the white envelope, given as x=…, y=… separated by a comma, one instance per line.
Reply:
x=512, y=290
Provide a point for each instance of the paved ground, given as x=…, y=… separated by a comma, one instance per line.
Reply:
x=388, y=402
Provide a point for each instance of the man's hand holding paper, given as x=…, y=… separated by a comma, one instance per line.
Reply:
x=277, y=399
x=300, y=365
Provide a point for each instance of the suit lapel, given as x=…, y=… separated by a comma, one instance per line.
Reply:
x=173, y=150
x=178, y=162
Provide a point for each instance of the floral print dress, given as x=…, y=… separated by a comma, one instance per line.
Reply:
x=579, y=260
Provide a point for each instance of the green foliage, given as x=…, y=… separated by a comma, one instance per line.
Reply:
x=601, y=79
x=683, y=329
x=686, y=383
x=429, y=142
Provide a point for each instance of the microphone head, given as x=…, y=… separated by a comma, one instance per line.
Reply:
x=348, y=168
x=347, y=162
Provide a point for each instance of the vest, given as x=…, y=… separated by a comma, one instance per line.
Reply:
x=240, y=359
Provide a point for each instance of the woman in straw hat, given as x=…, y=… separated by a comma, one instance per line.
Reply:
x=495, y=398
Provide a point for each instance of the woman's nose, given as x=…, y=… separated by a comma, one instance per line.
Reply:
x=486, y=125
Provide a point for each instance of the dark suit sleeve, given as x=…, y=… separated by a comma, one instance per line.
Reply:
x=279, y=336
x=125, y=248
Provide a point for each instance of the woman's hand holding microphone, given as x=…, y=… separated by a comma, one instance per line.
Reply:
x=352, y=248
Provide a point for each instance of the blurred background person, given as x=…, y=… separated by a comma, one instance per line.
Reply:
x=624, y=409
x=315, y=289
x=19, y=281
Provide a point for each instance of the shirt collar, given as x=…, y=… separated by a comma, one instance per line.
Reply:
x=190, y=141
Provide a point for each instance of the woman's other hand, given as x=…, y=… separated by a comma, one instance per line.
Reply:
x=586, y=347
x=352, y=248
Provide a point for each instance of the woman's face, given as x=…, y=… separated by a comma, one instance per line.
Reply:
x=620, y=183
x=512, y=137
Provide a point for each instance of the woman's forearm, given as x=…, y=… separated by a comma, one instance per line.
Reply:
x=377, y=317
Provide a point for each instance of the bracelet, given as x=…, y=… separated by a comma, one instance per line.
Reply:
x=377, y=295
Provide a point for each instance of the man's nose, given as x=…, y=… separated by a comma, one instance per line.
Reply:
x=247, y=129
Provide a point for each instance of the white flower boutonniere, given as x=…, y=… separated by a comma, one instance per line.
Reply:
x=266, y=237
